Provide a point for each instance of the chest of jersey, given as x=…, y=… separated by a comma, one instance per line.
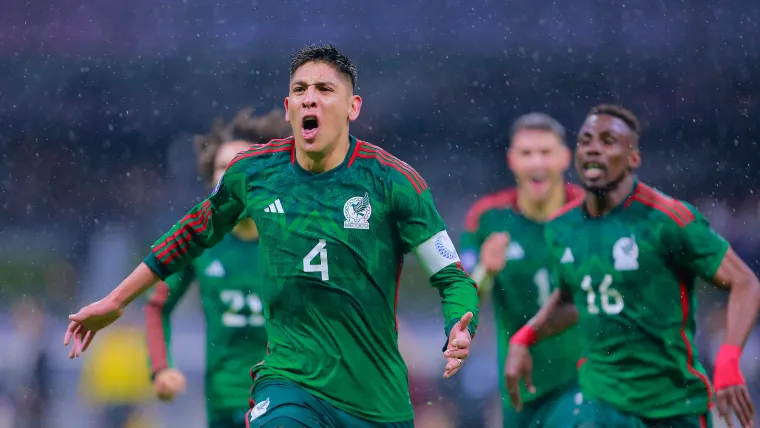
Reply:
x=618, y=264
x=326, y=231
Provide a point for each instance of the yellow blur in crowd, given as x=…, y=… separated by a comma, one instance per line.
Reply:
x=116, y=372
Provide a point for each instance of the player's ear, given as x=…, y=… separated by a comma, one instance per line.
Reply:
x=287, y=101
x=634, y=159
x=510, y=159
x=355, y=108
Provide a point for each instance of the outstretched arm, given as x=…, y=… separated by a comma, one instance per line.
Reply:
x=204, y=226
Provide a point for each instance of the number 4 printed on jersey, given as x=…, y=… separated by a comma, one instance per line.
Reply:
x=611, y=299
x=319, y=250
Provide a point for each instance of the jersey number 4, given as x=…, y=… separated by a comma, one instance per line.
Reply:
x=236, y=300
x=611, y=300
x=319, y=250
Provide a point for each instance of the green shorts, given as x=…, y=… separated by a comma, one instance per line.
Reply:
x=559, y=409
x=226, y=418
x=597, y=414
x=283, y=404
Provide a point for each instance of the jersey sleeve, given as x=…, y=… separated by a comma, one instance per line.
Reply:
x=423, y=232
x=158, y=312
x=694, y=245
x=204, y=226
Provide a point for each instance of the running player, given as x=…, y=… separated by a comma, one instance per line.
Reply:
x=627, y=259
x=229, y=276
x=345, y=213
x=509, y=225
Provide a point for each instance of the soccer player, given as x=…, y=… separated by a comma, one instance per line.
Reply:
x=504, y=248
x=229, y=276
x=627, y=259
x=345, y=213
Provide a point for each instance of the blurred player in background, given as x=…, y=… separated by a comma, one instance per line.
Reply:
x=626, y=260
x=336, y=217
x=504, y=248
x=229, y=276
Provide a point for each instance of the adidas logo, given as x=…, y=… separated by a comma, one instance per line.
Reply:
x=215, y=269
x=567, y=257
x=274, y=207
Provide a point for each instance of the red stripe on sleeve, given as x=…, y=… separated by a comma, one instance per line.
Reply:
x=183, y=240
x=394, y=166
x=274, y=146
x=191, y=216
x=675, y=205
x=154, y=325
x=182, y=236
x=370, y=148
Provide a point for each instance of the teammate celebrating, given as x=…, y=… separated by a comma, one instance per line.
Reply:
x=509, y=225
x=627, y=257
x=336, y=216
x=229, y=276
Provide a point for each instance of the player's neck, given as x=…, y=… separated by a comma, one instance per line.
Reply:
x=599, y=204
x=246, y=230
x=324, y=161
x=541, y=211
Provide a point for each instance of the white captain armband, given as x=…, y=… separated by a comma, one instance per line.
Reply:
x=436, y=253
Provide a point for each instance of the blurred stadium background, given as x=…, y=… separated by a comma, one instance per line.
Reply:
x=99, y=100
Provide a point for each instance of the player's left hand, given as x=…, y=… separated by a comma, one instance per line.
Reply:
x=459, y=346
x=735, y=400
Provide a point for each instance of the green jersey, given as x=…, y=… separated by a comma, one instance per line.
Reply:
x=522, y=287
x=333, y=245
x=229, y=276
x=632, y=274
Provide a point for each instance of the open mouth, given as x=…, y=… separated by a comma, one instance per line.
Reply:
x=593, y=170
x=309, y=127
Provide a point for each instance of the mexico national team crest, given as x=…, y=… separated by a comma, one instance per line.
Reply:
x=357, y=211
x=626, y=254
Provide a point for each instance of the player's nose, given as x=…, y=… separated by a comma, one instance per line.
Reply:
x=309, y=99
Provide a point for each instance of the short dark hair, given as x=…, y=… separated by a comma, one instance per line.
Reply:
x=538, y=122
x=323, y=53
x=619, y=112
x=243, y=127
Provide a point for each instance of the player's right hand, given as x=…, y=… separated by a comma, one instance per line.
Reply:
x=493, y=252
x=519, y=366
x=169, y=383
x=88, y=321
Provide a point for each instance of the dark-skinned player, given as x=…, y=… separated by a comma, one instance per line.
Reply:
x=627, y=260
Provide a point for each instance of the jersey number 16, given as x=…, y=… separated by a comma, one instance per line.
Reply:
x=611, y=300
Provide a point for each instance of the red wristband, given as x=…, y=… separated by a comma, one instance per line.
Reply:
x=525, y=336
x=727, y=372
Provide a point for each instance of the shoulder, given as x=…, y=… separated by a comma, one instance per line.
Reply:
x=574, y=197
x=262, y=155
x=662, y=207
x=385, y=165
x=502, y=200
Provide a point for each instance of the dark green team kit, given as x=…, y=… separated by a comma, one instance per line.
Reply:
x=519, y=290
x=229, y=276
x=632, y=275
x=333, y=246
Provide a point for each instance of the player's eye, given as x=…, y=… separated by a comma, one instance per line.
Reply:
x=297, y=89
x=325, y=89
